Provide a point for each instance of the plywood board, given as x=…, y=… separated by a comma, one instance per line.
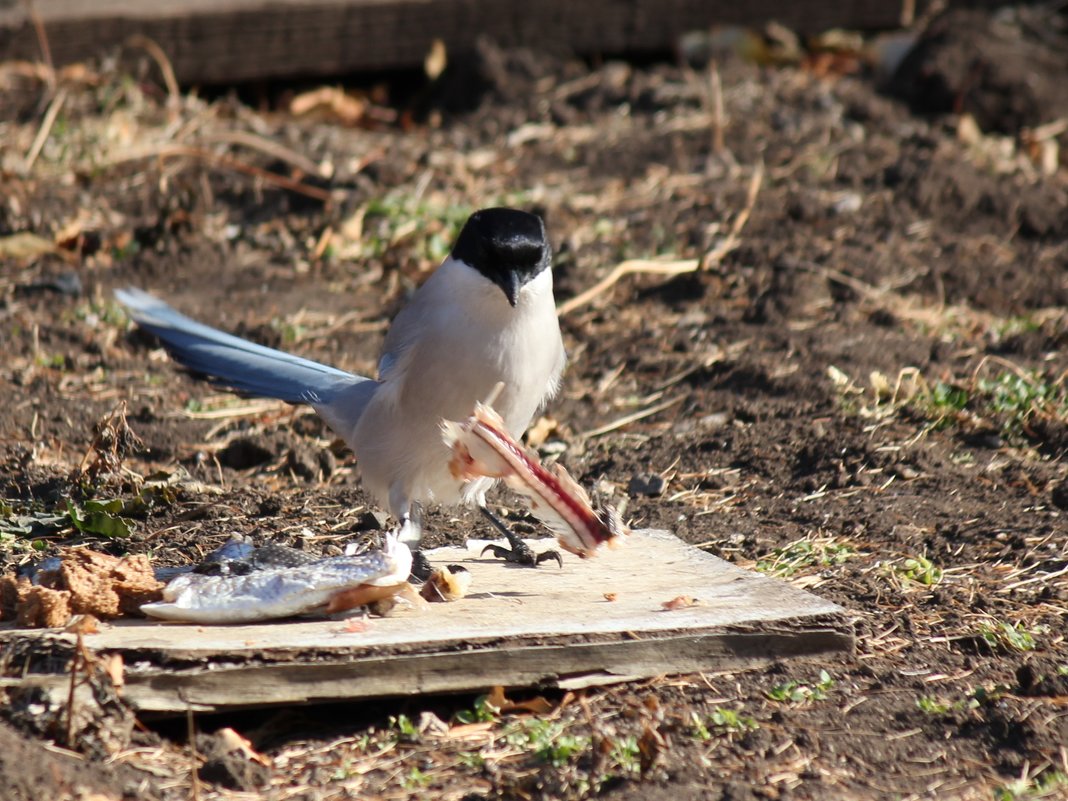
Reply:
x=519, y=626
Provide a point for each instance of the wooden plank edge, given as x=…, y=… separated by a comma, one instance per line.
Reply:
x=218, y=688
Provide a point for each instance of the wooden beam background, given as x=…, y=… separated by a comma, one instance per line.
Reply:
x=225, y=41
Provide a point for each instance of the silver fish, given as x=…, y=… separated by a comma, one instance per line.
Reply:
x=279, y=592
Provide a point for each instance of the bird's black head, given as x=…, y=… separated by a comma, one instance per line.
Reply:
x=507, y=246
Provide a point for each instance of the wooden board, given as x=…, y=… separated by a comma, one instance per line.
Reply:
x=518, y=627
x=223, y=41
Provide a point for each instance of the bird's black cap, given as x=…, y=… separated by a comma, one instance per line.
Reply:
x=507, y=246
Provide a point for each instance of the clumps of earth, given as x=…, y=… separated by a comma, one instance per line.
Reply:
x=84, y=583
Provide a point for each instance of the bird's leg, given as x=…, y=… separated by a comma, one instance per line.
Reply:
x=410, y=532
x=411, y=525
x=519, y=552
x=421, y=567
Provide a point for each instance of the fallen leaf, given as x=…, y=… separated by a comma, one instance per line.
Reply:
x=429, y=723
x=116, y=669
x=540, y=431
x=355, y=625
x=436, y=60
x=610, y=596
x=537, y=705
x=24, y=246
x=235, y=742
x=650, y=745
x=469, y=731
x=680, y=602
x=98, y=517
x=347, y=108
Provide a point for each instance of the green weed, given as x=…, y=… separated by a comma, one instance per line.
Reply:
x=482, y=712
x=403, y=727
x=398, y=217
x=471, y=759
x=1011, y=400
x=795, y=692
x=548, y=739
x=721, y=722
x=1048, y=784
x=932, y=706
x=919, y=569
x=100, y=517
x=1009, y=636
x=803, y=554
x=415, y=779
x=625, y=755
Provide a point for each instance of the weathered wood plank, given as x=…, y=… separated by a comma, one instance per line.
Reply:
x=240, y=40
x=518, y=627
x=571, y=665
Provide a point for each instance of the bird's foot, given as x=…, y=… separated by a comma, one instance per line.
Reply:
x=421, y=568
x=523, y=554
x=518, y=552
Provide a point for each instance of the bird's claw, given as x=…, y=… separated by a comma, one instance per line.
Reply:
x=545, y=556
x=421, y=568
x=522, y=554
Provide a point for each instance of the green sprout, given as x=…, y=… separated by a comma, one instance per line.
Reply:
x=920, y=570
x=1009, y=636
x=803, y=554
x=795, y=692
x=547, y=739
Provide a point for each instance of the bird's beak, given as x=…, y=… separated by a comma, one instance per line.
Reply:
x=510, y=285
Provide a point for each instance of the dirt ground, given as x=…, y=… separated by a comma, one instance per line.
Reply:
x=860, y=389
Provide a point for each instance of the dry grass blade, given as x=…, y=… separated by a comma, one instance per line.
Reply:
x=194, y=757
x=228, y=162
x=270, y=148
x=718, y=113
x=630, y=418
x=45, y=129
x=42, y=42
x=629, y=267
x=733, y=239
x=677, y=267
x=230, y=412
x=174, y=94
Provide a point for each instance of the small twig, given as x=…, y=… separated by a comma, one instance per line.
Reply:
x=678, y=267
x=215, y=159
x=908, y=13
x=1034, y=579
x=631, y=418
x=1008, y=365
x=1050, y=130
x=42, y=42
x=716, y=86
x=268, y=147
x=174, y=94
x=733, y=238
x=343, y=322
x=82, y=658
x=45, y=129
x=230, y=412
x=631, y=266
x=194, y=774
x=71, y=692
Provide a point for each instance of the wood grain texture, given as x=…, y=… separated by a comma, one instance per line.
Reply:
x=242, y=40
x=519, y=627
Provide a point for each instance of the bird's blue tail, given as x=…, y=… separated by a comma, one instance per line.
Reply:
x=247, y=367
